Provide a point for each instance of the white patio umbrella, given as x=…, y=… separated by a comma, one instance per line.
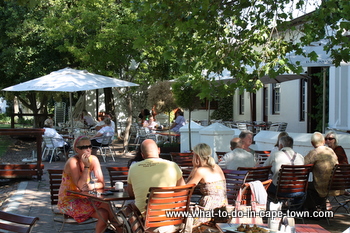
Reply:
x=69, y=80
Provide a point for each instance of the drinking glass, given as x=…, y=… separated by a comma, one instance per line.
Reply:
x=93, y=180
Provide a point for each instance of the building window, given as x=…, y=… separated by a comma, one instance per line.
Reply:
x=205, y=104
x=276, y=98
x=241, y=104
x=302, y=104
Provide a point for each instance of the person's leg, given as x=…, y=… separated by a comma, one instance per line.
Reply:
x=102, y=217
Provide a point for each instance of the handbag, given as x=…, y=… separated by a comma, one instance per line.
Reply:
x=247, y=214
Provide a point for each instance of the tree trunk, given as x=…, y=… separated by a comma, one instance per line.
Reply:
x=128, y=123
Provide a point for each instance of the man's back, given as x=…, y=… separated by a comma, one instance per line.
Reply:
x=324, y=160
x=283, y=157
x=152, y=172
x=239, y=158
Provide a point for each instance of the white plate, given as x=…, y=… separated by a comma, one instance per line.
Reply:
x=233, y=228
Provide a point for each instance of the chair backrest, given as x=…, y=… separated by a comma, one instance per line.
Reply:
x=132, y=218
x=164, y=200
x=292, y=179
x=234, y=181
x=16, y=222
x=181, y=154
x=118, y=174
x=55, y=178
x=340, y=178
x=282, y=127
x=106, y=140
x=256, y=173
x=261, y=156
x=274, y=127
x=246, y=191
x=242, y=126
x=220, y=154
x=182, y=159
x=48, y=142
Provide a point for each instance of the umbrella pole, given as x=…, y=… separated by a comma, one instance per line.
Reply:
x=70, y=111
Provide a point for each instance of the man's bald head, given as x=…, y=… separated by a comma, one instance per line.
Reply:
x=149, y=149
x=235, y=143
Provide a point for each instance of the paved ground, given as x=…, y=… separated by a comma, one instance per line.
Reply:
x=32, y=197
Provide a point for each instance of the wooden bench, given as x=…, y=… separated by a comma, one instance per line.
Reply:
x=20, y=170
x=38, y=134
x=16, y=222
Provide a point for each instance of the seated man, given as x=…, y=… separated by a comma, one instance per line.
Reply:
x=151, y=172
x=57, y=139
x=285, y=156
x=101, y=124
x=97, y=139
x=238, y=157
x=324, y=160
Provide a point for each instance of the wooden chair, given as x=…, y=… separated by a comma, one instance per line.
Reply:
x=132, y=218
x=182, y=159
x=55, y=178
x=261, y=156
x=16, y=223
x=118, y=174
x=246, y=191
x=291, y=185
x=256, y=173
x=220, y=154
x=340, y=180
x=234, y=181
x=163, y=200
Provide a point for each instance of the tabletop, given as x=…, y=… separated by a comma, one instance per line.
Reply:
x=115, y=196
x=300, y=228
x=167, y=133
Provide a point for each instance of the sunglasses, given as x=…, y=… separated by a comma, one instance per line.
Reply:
x=84, y=147
x=330, y=139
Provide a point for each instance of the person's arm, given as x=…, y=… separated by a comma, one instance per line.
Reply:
x=196, y=177
x=180, y=182
x=79, y=179
x=130, y=190
x=95, y=166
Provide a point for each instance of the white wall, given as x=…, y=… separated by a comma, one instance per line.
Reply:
x=289, y=107
x=339, y=110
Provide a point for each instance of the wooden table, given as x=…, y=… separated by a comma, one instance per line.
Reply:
x=117, y=196
x=300, y=228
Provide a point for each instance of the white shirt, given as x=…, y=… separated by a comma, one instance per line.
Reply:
x=279, y=158
x=57, y=139
x=237, y=158
x=100, y=123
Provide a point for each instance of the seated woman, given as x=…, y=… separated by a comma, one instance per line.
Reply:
x=210, y=179
x=76, y=176
x=332, y=142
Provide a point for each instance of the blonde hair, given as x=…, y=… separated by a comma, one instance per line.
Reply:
x=204, y=152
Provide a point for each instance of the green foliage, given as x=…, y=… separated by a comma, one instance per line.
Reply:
x=4, y=118
x=225, y=109
x=318, y=107
x=185, y=95
x=161, y=97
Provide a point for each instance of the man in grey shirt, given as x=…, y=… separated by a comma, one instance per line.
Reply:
x=238, y=157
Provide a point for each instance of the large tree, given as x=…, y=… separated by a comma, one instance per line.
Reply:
x=24, y=54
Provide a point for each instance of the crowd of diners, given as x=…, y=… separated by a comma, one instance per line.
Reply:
x=147, y=170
